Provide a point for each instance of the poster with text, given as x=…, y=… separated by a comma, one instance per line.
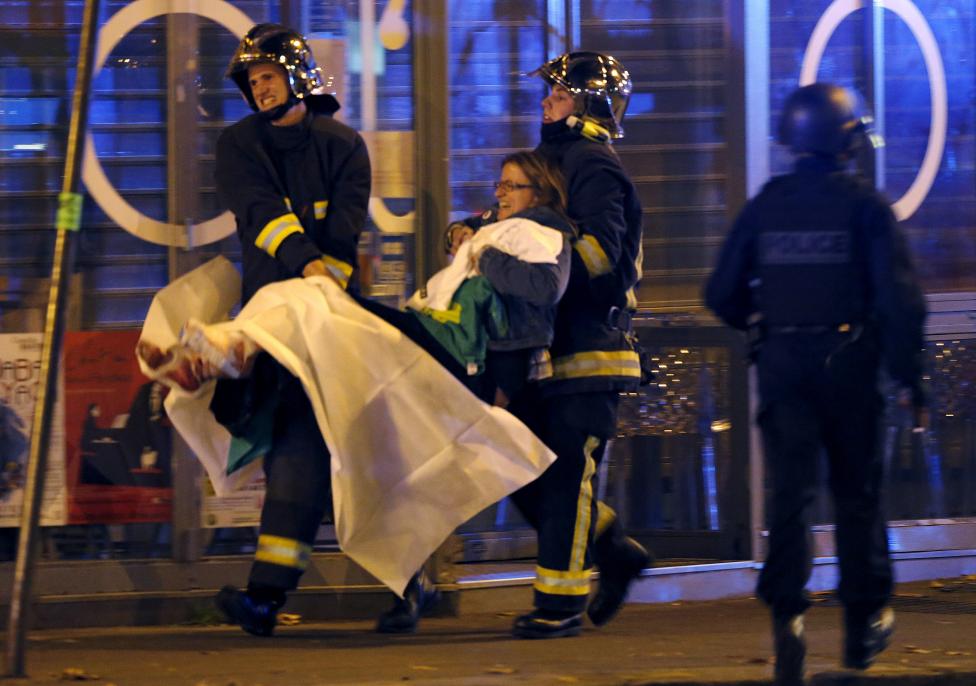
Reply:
x=20, y=366
x=117, y=437
x=240, y=508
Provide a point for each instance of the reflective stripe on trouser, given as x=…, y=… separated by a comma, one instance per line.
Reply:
x=560, y=503
x=297, y=492
x=605, y=517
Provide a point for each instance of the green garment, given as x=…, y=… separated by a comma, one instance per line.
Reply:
x=476, y=315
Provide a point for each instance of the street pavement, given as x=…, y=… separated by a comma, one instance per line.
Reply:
x=705, y=643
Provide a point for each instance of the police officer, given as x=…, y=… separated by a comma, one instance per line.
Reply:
x=817, y=266
x=298, y=183
x=594, y=354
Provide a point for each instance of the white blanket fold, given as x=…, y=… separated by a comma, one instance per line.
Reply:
x=524, y=238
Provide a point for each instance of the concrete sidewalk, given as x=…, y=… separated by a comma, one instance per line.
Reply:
x=719, y=642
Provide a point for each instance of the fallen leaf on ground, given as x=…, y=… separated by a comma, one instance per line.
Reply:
x=288, y=619
x=77, y=674
x=500, y=669
x=424, y=668
x=919, y=651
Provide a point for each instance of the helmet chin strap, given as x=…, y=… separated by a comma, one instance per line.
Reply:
x=588, y=128
x=277, y=112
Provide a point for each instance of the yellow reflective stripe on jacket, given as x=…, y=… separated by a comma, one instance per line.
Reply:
x=320, y=208
x=451, y=316
x=631, y=299
x=584, y=506
x=555, y=582
x=277, y=230
x=285, y=552
x=596, y=260
x=597, y=363
x=339, y=269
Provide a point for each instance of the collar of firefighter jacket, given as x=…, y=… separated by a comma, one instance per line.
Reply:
x=286, y=138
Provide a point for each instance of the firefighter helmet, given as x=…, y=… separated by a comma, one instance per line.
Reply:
x=277, y=44
x=600, y=85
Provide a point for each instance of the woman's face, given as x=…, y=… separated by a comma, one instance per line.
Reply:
x=559, y=104
x=514, y=191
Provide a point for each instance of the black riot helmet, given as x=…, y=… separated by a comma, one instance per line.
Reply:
x=599, y=83
x=277, y=44
x=823, y=119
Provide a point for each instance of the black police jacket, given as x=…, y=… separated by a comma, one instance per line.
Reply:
x=299, y=193
x=816, y=249
x=592, y=349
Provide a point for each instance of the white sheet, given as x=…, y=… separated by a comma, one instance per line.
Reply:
x=414, y=453
x=530, y=241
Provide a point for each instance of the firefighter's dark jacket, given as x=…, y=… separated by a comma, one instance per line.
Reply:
x=592, y=349
x=299, y=193
x=819, y=247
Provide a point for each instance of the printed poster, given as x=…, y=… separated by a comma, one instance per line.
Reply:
x=20, y=365
x=242, y=507
x=117, y=437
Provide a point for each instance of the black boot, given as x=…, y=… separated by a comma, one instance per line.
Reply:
x=419, y=598
x=548, y=624
x=255, y=615
x=620, y=561
x=791, y=649
x=866, y=637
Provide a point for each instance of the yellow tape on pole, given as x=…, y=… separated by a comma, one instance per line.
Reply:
x=69, y=211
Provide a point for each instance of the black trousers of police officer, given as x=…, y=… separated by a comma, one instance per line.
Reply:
x=819, y=393
x=560, y=505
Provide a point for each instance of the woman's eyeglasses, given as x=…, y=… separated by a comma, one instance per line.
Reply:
x=508, y=186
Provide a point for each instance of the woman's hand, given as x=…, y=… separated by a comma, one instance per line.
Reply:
x=457, y=235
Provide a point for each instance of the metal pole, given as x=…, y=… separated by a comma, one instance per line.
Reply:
x=872, y=163
x=183, y=184
x=432, y=124
x=69, y=212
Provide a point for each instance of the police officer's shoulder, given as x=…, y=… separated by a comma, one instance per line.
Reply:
x=340, y=133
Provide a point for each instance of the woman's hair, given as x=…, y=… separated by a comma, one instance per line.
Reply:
x=544, y=177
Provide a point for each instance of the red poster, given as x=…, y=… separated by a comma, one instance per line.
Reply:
x=116, y=434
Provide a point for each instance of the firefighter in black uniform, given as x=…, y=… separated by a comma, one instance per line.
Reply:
x=298, y=183
x=816, y=266
x=594, y=354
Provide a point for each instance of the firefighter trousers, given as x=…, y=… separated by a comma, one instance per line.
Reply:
x=560, y=504
x=298, y=494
